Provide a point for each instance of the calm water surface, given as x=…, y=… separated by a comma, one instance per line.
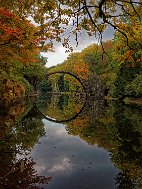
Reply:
x=72, y=162
x=99, y=148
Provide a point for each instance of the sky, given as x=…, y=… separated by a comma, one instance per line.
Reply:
x=60, y=54
x=84, y=40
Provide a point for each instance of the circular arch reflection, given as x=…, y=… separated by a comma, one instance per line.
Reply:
x=65, y=120
x=82, y=107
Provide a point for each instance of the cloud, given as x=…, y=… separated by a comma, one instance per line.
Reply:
x=60, y=53
x=84, y=40
x=71, y=162
x=56, y=57
x=61, y=166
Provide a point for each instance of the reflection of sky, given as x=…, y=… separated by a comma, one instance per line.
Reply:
x=71, y=162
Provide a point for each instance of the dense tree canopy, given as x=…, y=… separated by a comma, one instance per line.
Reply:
x=21, y=41
x=92, y=16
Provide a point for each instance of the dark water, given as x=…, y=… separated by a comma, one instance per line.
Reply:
x=66, y=142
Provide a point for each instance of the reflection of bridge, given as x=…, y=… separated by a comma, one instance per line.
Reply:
x=89, y=107
x=65, y=120
x=92, y=87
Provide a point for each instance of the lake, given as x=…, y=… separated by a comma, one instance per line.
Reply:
x=69, y=142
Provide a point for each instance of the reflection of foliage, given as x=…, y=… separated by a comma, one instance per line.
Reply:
x=119, y=130
x=22, y=174
x=43, y=101
x=127, y=155
x=122, y=179
x=20, y=130
x=84, y=124
x=63, y=106
x=10, y=116
x=29, y=131
x=77, y=126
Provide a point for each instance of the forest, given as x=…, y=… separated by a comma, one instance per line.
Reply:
x=117, y=62
x=111, y=71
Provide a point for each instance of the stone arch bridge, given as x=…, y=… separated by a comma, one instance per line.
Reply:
x=92, y=87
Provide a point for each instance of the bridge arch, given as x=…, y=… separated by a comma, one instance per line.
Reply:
x=89, y=89
x=71, y=74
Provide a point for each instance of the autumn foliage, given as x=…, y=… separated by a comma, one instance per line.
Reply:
x=19, y=47
x=21, y=41
x=18, y=37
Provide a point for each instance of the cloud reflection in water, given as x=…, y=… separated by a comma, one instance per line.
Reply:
x=71, y=162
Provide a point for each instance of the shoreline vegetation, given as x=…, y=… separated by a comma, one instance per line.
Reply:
x=115, y=64
x=34, y=96
x=127, y=100
x=137, y=101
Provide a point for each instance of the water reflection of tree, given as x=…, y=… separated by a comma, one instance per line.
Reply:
x=20, y=130
x=115, y=127
x=22, y=174
x=123, y=180
x=43, y=101
x=86, y=120
x=62, y=106
x=118, y=128
x=128, y=154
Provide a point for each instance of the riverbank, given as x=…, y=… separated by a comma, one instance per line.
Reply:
x=137, y=101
